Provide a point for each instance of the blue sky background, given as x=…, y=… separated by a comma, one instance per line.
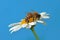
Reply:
x=12, y=11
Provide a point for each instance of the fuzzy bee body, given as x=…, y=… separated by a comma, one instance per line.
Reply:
x=32, y=17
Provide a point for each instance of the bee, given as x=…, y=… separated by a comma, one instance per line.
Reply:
x=32, y=17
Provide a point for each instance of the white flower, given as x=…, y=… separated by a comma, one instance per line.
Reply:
x=17, y=26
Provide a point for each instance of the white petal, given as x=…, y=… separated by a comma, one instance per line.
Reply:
x=28, y=26
x=32, y=23
x=14, y=24
x=44, y=15
x=24, y=25
x=15, y=28
x=40, y=21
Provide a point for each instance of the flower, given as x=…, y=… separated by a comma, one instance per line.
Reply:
x=23, y=24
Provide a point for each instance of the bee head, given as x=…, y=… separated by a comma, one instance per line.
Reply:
x=36, y=15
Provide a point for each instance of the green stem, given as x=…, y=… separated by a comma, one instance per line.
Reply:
x=36, y=36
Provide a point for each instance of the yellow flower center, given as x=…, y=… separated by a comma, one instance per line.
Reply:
x=30, y=20
x=23, y=22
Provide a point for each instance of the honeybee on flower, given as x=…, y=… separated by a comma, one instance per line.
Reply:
x=30, y=20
